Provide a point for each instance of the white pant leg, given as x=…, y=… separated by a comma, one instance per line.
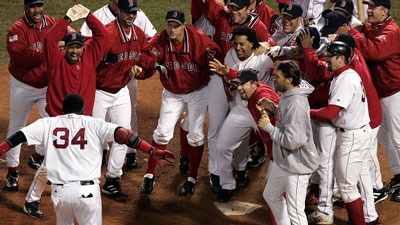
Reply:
x=172, y=107
x=75, y=201
x=367, y=194
x=240, y=157
x=120, y=114
x=234, y=131
x=350, y=147
x=196, y=104
x=389, y=132
x=273, y=194
x=38, y=184
x=326, y=136
x=217, y=111
x=374, y=168
x=296, y=190
x=133, y=90
x=22, y=97
x=102, y=103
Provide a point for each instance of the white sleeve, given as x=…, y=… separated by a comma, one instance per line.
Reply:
x=342, y=93
x=85, y=30
x=34, y=132
x=105, y=131
x=143, y=22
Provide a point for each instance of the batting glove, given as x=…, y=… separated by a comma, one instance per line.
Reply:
x=77, y=12
x=275, y=51
x=158, y=154
x=4, y=147
x=162, y=70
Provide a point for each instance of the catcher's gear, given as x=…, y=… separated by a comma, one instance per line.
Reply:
x=338, y=48
x=162, y=70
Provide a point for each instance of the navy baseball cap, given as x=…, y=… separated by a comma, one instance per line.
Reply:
x=345, y=6
x=175, y=15
x=240, y=4
x=384, y=3
x=32, y=2
x=73, y=38
x=333, y=20
x=313, y=33
x=346, y=38
x=292, y=9
x=246, y=75
x=128, y=6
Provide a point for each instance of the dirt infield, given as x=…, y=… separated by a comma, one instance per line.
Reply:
x=163, y=206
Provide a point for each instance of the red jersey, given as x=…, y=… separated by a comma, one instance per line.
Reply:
x=80, y=77
x=188, y=66
x=221, y=20
x=131, y=51
x=263, y=91
x=25, y=46
x=381, y=50
x=266, y=13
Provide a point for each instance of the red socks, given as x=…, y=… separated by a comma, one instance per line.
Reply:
x=195, y=154
x=12, y=169
x=152, y=164
x=271, y=217
x=355, y=211
x=184, y=142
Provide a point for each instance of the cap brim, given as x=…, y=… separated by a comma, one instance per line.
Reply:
x=36, y=2
x=288, y=14
x=131, y=10
x=236, y=80
x=327, y=30
x=75, y=42
x=174, y=20
x=368, y=2
x=236, y=5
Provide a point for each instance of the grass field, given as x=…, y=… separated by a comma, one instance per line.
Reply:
x=154, y=9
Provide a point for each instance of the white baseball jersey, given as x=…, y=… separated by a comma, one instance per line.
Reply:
x=260, y=63
x=72, y=145
x=312, y=8
x=105, y=16
x=347, y=92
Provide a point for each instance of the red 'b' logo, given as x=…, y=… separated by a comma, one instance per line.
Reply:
x=289, y=7
x=343, y=4
x=73, y=36
x=130, y=3
x=175, y=14
x=326, y=22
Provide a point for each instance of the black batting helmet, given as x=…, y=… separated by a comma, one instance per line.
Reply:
x=338, y=48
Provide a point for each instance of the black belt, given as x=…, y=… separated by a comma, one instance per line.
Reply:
x=83, y=182
x=343, y=130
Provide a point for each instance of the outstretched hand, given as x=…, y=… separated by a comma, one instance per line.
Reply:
x=217, y=67
x=166, y=155
x=305, y=39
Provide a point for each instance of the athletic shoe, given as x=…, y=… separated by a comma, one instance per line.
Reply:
x=225, y=195
x=256, y=159
x=375, y=222
x=148, y=183
x=112, y=189
x=32, y=209
x=131, y=161
x=215, y=186
x=34, y=163
x=336, y=197
x=396, y=196
x=188, y=187
x=103, y=160
x=392, y=186
x=241, y=178
x=379, y=195
x=184, y=166
x=12, y=181
x=318, y=217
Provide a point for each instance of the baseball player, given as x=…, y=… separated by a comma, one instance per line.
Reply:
x=234, y=133
x=73, y=150
x=71, y=72
x=295, y=156
x=106, y=14
x=28, y=79
x=382, y=33
x=348, y=110
x=183, y=53
x=131, y=52
x=266, y=13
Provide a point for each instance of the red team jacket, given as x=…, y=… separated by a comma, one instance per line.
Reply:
x=381, y=50
x=79, y=78
x=136, y=51
x=267, y=14
x=188, y=67
x=25, y=46
x=220, y=18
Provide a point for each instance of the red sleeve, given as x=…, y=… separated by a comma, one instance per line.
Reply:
x=52, y=53
x=263, y=34
x=316, y=69
x=22, y=54
x=232, y=74
x=284, y=1
x=99, y=44
x=213, y=11
x=196, y=9
x=326, y=113
x=147, y=60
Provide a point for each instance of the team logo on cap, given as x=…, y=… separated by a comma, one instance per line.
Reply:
x=289, y=7
x=343, y=4
x=130, y=3
x=326, y=22
x=175, y=14
x=73, y=36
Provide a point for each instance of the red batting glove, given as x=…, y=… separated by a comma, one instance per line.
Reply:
x=4, y=147
x=158, y=154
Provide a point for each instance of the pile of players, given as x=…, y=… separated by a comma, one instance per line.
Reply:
x=314, y=90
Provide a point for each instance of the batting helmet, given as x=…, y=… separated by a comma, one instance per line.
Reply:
x=338, y=48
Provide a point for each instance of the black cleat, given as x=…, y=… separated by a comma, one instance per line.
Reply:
x=392, y=186
x=225, y=195
x=12, y=181
x=32, y=209
x=112, y=189
x=188, y=187
x=184, y=166
x=34, y=163
x=257, y=158
x=380, y=195
x=215, y=186
x=148, y=183
x=131, y=161
x=241, y=178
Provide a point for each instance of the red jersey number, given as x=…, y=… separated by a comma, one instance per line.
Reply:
x=62, y=138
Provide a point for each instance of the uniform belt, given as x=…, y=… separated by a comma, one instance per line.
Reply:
x=83, y=182
x=343, y=130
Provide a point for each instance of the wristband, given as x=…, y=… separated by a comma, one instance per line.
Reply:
x=151, y=150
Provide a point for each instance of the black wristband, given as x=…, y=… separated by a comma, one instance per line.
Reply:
x=67, y=19
x=151, y=150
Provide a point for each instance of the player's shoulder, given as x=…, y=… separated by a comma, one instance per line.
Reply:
x=50, y=20
x=139, y=32
x=20, y=23
x=160, y=39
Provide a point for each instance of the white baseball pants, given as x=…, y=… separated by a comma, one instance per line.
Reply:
x=374, y=168
x=74, y=200
x=118, y=107
x=22, y=97
x=289, y=211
